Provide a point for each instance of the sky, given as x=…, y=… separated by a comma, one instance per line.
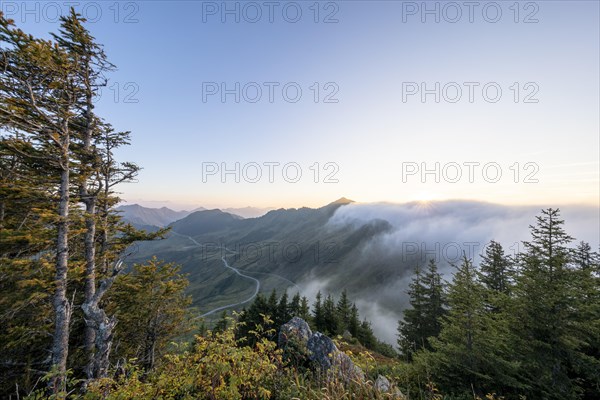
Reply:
x=290, y=104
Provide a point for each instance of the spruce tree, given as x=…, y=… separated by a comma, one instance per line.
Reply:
x=330, y=316
x=544, y=298
x=423, y=320
x=412, y=333
x=472, y=350
x=365, y=335
x=304, y=310
x=497, y=274
x=39, y=99
x=354, y=324
x=282, y=314
x=587, y=320
x=318, y=316
x=435, y=300
x=294, y=306
x=343, y=311
x=496, y=269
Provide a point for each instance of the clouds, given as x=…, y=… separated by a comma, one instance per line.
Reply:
x=444, y=230
x=441, y=230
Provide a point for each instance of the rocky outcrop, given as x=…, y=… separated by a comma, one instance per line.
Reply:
x=293, y=339
x=383, y=385
x=303, y=347
x=328, y=358
x=314, y=350
x=295, y=330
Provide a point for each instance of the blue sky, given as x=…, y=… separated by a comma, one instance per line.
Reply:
x=377, y=133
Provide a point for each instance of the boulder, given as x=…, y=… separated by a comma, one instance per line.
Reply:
x=302, y=347
x=295, y=330
x=321, y=350
x=293, y=339
x=383, y=385
x=347, y=336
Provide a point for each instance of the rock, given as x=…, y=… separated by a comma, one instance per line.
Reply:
x=382, y=384
x=302, y=347
x=293, y=339
x=321, y=350
x=347, y=336
x=329, y=359
x=397, y=394
x=346, y=369
x=295, y=330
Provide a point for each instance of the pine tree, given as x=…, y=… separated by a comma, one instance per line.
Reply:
x=354, y=324
x=318, y=316
x=91, y=65
x=283, y=311
x=251, y=319
x=472, y=349
x=39, y=99
x=412, y=332
x=272, y=304
x=330, y=317
x=365, y=335
x=435, y=300
x=587, y=319
x=294, y=307
x=497, y=274
x=423, y=320
x=544, y=300
x=304, y=311
x=343, y=312
x=47, y=93
x=496, y=269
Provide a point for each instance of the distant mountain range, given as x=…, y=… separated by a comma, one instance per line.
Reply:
x=248, y=212
x=369, y=249
x=151, y=219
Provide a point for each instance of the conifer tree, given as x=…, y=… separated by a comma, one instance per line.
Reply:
x=587, y=319
x=304, y=311
x=412, y=333
x=365, y=335
x=318, y=315
x=294, y=306
x=496, y=269
x=39, y=99
x=435, y=299
x=343, y=311
x=472, y=350
x=330, y=317
x=422, y=320
x=545, y=309
x=354, y=324
x=282, y=314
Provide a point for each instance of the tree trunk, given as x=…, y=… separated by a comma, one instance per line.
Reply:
x=90, y=280
x=62, y=308
x=102, y=325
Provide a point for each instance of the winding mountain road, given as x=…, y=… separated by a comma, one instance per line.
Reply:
x=256, y=290
x=237, y=271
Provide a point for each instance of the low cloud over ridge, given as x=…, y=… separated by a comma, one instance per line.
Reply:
x=441, y=230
